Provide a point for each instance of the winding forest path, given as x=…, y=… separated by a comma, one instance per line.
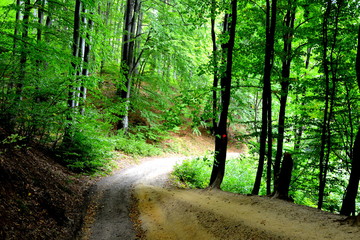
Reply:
x=169, y=213
x=108, y=217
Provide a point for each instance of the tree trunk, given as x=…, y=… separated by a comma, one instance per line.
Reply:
x=86, y=62
x=285, y=74
x=348, y=205
x=282, y=191
x=266, y=106
x=131, y=22
x=24, y=49
x=330, y=92
x=216, y=66
x=221, y=137
x=75, y=52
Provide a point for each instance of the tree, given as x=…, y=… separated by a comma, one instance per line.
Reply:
x=348, y=205
x=266, y=129
x=288, y=35
x=330, y=74
x=221, y=136
x=132, y=31
x=24, y=49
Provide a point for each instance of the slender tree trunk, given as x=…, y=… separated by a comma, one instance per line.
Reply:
x=215, y=64
x=221, y=137
x=348, y=205
x=106, y=18
x=85, y=68
x=39, y=33
x=24, y=49
x=131, y=19
x=330, y=73
x=266, y=106
x=282, y=190
x=41, y=6
x=75, y=65
x=17, y=23
x=285, y=74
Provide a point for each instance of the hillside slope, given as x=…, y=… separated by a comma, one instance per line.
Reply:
x=39, y=198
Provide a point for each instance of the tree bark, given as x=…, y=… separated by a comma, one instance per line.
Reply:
x=221, y=137
x=330, y=73
x=24, y=49
x=86, y=61
x=131, y=22
x=348, y=205
x=284, y=180
x=285, y=74
x=75, y=65
x=215, y=65
x=75, y=51
x=265, y=136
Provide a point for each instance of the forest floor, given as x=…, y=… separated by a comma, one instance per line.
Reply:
x=159, y=210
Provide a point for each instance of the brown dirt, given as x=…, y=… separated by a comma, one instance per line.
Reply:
x=168, y=213
x=39, y=198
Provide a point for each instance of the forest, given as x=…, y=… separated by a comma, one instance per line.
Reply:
x=281, y=78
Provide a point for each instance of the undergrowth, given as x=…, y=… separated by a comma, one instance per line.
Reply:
x=135, y=145
x=92, y=149
x=239, y=175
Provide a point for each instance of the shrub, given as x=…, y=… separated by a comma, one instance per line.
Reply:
x=195, y=173
x=135, y=145
x=239, y=175
x=88, y=152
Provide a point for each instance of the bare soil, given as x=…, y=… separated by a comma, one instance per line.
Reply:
x=166, y=212
x=39, y=198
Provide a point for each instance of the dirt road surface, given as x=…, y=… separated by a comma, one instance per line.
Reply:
x=108, y=217
x=170, y=213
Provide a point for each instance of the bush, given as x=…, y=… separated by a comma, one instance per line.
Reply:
x=88, y=152
x=135, y=145
x=195, y=173
x=239, y=175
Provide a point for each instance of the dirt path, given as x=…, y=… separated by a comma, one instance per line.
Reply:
x=108, y=216
x=168, y=213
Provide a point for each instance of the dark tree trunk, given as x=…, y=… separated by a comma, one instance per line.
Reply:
x=221, y=137
x=39, y=33
x=24, y=49
x=282, y=190
x=17, y=23
x=215, y=65
x=76, y=53
x=86, y=62
x=285, y=74
x=265, y=136
x=330, y=73
x=41, y=6
x=348, y=205
x=131, y=23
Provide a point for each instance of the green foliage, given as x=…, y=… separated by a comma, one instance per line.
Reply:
x=87, y=152
x=172, y=86
x=239, y=175
x=195, y=173
x=135, y=145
